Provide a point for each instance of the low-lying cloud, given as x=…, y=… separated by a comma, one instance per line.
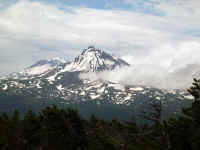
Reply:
x=167, y=67
x=148, y=75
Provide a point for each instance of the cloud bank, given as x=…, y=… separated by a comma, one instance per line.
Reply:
x=159, y=37
x=148, y=75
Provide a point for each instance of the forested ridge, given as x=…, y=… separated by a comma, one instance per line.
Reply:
x=64, y=129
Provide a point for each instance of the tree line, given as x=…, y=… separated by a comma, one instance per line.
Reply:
x=64, y=129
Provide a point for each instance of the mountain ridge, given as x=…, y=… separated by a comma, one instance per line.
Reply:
x=90, y=60
x=63, y=84
x=94, y=60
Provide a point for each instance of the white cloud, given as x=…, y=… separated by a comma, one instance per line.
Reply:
x=179, y=12
x=166, y=66
x=30, y=31
x=170, y=56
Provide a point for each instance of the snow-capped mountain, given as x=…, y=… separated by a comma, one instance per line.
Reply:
x=92, y=60
x=56, y=79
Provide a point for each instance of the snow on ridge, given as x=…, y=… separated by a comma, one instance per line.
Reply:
x=38, y=70
x=62, y=60
x=5, y=87
x=59, y=87
x=83, y=93
x=137, y=89
x=94, y=96
x=158, y=98
x=109, y=62
x=52, y=78
x=188, y=96
x=101, y=90
x=117, y=86
x=38, y=84
x=128, y=97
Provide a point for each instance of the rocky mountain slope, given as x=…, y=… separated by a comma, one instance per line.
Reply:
x=58, y=78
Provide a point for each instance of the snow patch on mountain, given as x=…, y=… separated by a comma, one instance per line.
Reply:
x=188, y=97
x=58, y=60
x=60, y=88
x=137, y=89
x=38, y=84
x=94, y=96
x=5, y=87
x=128, y=97
x=117, y=86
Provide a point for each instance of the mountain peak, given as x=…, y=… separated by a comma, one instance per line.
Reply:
x=90, y=60
x=91, y=49
x=95, y=60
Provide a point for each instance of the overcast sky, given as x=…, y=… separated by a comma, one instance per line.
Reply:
x=160, y=33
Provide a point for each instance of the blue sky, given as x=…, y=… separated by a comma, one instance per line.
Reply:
x=142, y=6
x=160, y=33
